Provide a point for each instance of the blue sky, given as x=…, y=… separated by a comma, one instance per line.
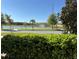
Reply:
x=25, y=10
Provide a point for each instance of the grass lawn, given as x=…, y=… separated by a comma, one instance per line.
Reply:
x=20, y=33
x=43, y=29
x=36, y=29
x=13, y=33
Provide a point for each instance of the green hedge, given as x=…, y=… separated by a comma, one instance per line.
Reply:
x=37, y=46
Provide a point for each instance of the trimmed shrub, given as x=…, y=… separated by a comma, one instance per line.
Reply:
x=36, y=46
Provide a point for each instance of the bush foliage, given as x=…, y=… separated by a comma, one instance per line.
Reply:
x=36, y=46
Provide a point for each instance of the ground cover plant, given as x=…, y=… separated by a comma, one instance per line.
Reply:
x=39, y=46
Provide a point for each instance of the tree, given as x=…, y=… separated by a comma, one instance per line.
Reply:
x=52, y=20
x=6, y=19
x=2, y=20
x=32, y=22
x=69, y=16
x=9, y=20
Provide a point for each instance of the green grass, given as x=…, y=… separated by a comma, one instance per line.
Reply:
x=13, y=33
x=36, y=29
x=22, y=34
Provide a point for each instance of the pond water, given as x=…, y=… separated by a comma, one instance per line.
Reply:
x=16, y=27
x=41, y=32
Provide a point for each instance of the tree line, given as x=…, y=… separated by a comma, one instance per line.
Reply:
x=6, y=19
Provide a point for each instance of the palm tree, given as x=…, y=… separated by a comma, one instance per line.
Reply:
x=2, y=20
x=9, y=20
x=32, y=22
x=5, y=19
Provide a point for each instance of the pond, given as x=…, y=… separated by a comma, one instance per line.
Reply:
x=15, y=26
x=41, y=30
